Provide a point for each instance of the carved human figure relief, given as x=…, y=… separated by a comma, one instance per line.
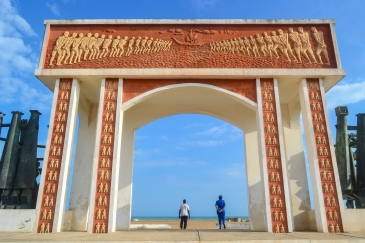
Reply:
x=102, y=228
x=53, y=189
x=280, y=202
x=98, y=214
x=262, y=45
x=275, y=152
x=105, y=46
x=276, y=216
x=105, y=201
x=328, y=202
x=104, y=215
x=57, y=49
x=306, y=46
x=335, y=216
x=278, y=189
x=276, y=229
x=281, y=216
x=276, y=164
x=273, y=189
x=97, y=228
x=324, y=176
x=333, y=202
x=274, y=201
x=325, y=188
x=332, y=228
x=272, y=176
x=282, y=229
x=75, y=50
x=329, y=215
x=321, y=45
x=270, y=45
x=277, y=176
x=337, y=229
x=331, y=189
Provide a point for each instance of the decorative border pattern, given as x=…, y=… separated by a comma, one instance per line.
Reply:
x=329, y=190
x=273, y=158
x=105, y=159
x=53, y=166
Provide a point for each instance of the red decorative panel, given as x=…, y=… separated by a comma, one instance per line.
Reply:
x=273, y=158
x=135, y=87
x=105, y=159
x=53, y=165
x=329, y=190
x=190, y=46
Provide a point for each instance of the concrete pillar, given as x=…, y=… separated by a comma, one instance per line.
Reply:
x=321, y=156
x=273, y=157
x=124, y=201
x=66, y=156
x=298, y=182
x=82, y=171
x=107, y=148
x=254, y=178
x=62, y=123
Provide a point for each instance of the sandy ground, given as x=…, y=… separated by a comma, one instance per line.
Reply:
x=192, y=224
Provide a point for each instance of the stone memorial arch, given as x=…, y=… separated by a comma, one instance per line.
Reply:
x=118, y=75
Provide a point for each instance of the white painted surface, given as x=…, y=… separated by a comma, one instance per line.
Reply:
x=66, y=157
x=191, y=21
x=17, y=220
x=116, y=160
x=82, y=172
x=320, y=213
x=46, y=154
x=333, y=155
x=283, y=158
x=262, y=157
x=95, y=160
x=297, y=176
x=354, y=219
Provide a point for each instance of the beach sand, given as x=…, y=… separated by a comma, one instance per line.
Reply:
x=192, y=224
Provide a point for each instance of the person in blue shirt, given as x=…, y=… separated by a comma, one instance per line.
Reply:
x=220, y=205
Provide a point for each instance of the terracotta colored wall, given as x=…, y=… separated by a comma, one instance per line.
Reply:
x=188, y=49
x=135, y=87
x=329, y=189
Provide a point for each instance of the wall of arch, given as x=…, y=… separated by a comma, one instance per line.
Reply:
x=192, y=99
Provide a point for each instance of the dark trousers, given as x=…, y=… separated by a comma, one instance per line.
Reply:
x=184, y=219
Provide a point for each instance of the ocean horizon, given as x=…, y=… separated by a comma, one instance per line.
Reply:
x=162, y=218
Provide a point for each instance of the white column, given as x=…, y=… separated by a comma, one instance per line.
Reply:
x=333, y=157
x=82, y=171
x=254, y=178
x=66, y=157
x=320, y=213
x=262, y=156
x=46, y=155
x=298, y=183
x=95, y=161
x=283, y=158
x=117, y=155
x=124, y=202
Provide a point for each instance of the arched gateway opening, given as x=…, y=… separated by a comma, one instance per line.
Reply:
x=188, y=98
x=139, y=71
x=188, y=156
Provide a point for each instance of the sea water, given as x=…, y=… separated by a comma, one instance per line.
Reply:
x=141, y=218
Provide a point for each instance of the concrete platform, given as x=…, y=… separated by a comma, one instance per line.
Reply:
x=189, y=235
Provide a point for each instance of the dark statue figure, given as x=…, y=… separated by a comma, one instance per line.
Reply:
x=19, y=163
x=351, y=164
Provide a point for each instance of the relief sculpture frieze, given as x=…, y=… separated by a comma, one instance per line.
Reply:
x=216, y=46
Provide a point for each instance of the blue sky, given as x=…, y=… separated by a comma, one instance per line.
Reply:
x=187, y=156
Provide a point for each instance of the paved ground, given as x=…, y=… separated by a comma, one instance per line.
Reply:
x=190, y=235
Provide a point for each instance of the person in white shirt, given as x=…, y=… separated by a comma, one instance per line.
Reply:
x=184, y=213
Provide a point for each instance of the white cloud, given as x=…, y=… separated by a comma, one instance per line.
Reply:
x=138, y=153
x=164, y=137
x=221, y=135
x=17, y=61
x=54, y=8
x=214, y=131
x=176, y=162
x=344, y=94
x=207, y=143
